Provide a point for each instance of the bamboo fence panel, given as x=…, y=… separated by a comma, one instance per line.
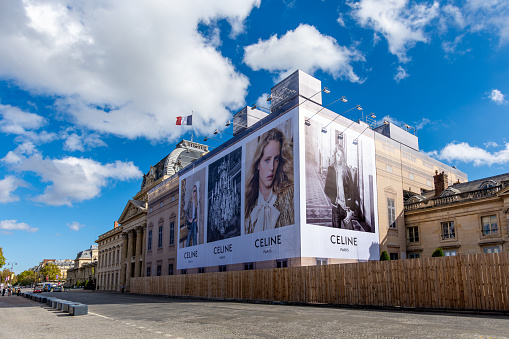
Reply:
x=466, y=282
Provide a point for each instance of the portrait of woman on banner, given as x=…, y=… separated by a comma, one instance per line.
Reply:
x=269, y=202
x=192, y=215
x=340, y=189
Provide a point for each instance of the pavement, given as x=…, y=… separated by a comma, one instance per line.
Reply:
x=114, y=315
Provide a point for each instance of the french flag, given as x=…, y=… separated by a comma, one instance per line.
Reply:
x=185, y=120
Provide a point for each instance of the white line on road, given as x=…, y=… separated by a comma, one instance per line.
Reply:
x=102, y=316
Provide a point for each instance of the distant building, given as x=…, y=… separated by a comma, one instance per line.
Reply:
x=84, y=267
x=462, y=218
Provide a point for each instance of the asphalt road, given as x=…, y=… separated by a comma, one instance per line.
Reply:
x=113, y=315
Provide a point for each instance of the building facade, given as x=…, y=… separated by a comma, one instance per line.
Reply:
x=462, y=218
x=108, y=264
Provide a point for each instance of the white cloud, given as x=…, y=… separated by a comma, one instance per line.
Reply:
x=125, y=67
x=71, y=179
x=401, y=74
x=75, y=142
x=341, y=20
x=7, y=186
x=422, y=123
x=497, y=97
x=401, y=23
x=304, y=48
x=472, y=154
x=262, y=101
x=75, y=226
x=491, y=16
x=490, y=144
x=13, y=225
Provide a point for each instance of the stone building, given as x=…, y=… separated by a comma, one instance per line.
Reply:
x=462, y=218
x=133, y=220
x=84, y=267
x=108, y=263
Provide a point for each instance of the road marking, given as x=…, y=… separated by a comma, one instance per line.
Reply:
x=102, y=316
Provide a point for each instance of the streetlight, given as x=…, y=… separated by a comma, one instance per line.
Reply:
x=307, y=122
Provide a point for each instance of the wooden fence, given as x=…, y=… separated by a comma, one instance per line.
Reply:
x=466, y=282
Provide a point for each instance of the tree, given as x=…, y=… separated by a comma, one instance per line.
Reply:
x=438, y=253
x=50, y=270
x=26, y=278
x=2, y=258
x=4, y=274
x=384, y=256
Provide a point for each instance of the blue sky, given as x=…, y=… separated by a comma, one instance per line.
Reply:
x=89, y=91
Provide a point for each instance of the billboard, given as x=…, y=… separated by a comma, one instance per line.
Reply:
x=340, y=191
x=244, y=207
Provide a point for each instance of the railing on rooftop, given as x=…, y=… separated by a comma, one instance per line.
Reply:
x=450, y=199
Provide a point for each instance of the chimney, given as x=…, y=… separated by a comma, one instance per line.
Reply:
x=441, y=182
x=115, y=224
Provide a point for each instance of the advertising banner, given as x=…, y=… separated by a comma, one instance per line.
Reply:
x=239, y=206
x=340, y=191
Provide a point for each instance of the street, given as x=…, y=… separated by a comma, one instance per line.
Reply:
x=113, y=315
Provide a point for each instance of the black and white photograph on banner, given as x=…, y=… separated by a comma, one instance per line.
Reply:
x=269, y=183
x=192, y=209
x=224, y=194
x=339, y=178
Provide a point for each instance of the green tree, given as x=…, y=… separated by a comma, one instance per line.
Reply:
x=4, y=274
x=26, y=278
x=2, y=258
x=50, y=270
x=384, y=256
x=439, y=252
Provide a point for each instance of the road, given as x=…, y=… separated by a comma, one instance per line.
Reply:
x=113, y=315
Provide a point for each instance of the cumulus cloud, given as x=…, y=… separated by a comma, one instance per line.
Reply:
x=7, y=186
x=71, y=179
x=401, y=74
x=463, y=152
x=125, y=67
x=13, y=225
x=75, y=226
x=81, y=142
x=304, y=48
x=497, y=97
x=401, y=23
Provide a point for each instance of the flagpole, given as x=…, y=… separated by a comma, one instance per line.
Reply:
x=192, y=124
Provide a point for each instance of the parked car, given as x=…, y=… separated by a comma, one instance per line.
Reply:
x=38, y=288
x=58, y=289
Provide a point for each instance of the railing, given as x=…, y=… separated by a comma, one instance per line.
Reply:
x=449, y=199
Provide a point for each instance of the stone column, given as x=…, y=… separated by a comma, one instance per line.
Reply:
x=139, y=235
x=143, y=246
x=130, y=245
x=123, y=259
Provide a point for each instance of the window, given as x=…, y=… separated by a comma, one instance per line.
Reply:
x=393, y=256
x=281, y=263
x=428, y=182
x=172, y=233
x=222, y=268
x=118, y=256
x=151, y=209
x=149, y=245
x=489, y=225
x=160, y=237
x=413, y=234
x=158, y=270
x=148, y=271
x=201, y=270
x=448, y=230
x=414, y=255
x=450, y=253
x=170, y=269
x=183, y=271
x=172, y=198
x=493, y=249
x=389, y=168
x=411, y=176
x=161, y=204
x=321, y=261
x=248, y=266
x=391, y=211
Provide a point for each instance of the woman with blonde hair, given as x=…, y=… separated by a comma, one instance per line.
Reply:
x=269, y=185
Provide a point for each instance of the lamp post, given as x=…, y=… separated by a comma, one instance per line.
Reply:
x=307, y=122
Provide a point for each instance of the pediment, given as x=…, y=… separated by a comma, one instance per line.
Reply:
x=390, y=190
x=503, y=192
x=132, y=209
